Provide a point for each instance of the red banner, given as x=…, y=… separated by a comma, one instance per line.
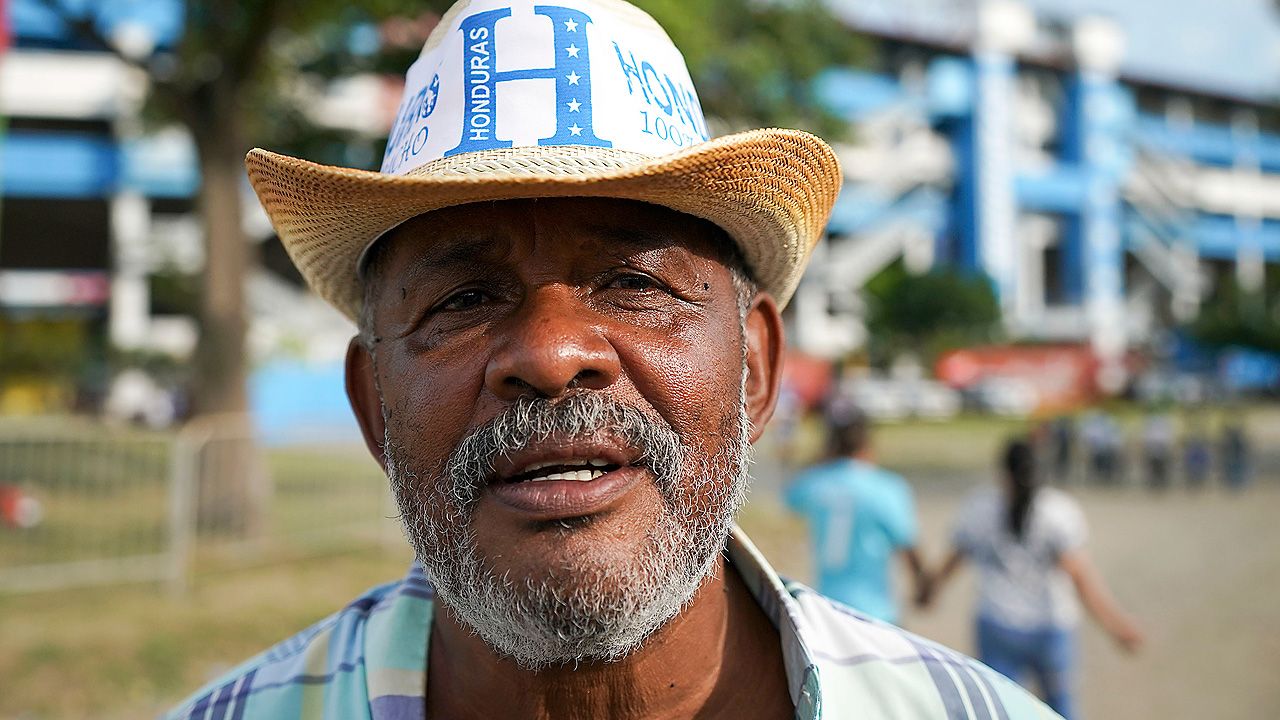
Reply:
x=1064, y=376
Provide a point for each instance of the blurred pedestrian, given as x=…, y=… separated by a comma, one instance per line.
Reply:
x=1157, y=449
x=1094, y=432
x=860, y=516
x=1235, y=454
x=1117, y=457
x=1062, y=436
x=1028, y=544
x=1197, y=455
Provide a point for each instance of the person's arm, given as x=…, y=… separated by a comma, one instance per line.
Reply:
x=1098, y=600
x=919, y=575
x=898, y=518
x=938, y=579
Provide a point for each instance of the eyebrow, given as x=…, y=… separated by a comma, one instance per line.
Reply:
x=464, y=251
x=632, y=238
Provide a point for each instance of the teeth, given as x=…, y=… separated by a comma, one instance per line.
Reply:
x=593, y=462
x=578, y=475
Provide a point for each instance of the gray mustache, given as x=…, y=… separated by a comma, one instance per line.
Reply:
x=529, y=421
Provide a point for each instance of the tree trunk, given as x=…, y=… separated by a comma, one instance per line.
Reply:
x=220, y=362
x=234, y=486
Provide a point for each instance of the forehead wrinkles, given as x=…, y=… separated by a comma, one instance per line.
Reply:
x=496, y=231
x=478, y=232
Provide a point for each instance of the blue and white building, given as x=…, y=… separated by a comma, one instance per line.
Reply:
x=92, y=202
x=1105, y=183
x=97, y=201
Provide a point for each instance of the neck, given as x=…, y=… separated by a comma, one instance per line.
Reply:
x=721, y=654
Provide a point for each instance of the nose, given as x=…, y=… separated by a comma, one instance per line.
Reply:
x=551, y=345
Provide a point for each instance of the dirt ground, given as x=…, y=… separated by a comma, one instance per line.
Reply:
x=1202, y=574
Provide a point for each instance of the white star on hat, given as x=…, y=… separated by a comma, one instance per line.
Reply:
x=571, y=26
x=574, y=129
x=574, y=105
x=573, y=77
x=572, y=50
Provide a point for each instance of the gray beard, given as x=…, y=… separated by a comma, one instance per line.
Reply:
x=596, y=611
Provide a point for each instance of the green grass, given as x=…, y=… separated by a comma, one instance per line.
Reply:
x=130, y=651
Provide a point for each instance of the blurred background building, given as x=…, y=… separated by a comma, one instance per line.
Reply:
x=95, y=211
x=1110, y=173
x=101, y=247
x=1107, y=180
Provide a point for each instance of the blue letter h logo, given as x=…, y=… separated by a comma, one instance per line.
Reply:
x=572, y=73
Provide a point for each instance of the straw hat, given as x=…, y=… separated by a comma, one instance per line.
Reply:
x=586, y=98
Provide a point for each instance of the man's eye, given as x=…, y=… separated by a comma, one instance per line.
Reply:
x=633, y=282
x=464, y=300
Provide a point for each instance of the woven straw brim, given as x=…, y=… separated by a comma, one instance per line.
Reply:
x=770, y=190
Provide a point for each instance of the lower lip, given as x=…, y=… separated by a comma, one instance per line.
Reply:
x=561, y=499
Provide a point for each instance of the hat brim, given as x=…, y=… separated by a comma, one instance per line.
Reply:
x=770, y=190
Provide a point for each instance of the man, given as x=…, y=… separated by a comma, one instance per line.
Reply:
x=1235, y=453
x=1158, y=439
x=1197, y=451
x=1103, y=441
x=860, y=516
x=569, y=337
x=1062, y=436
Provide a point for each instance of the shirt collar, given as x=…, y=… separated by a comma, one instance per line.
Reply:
x=782, y=609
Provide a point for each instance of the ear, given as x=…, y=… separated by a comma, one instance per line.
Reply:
x=764, y=361
x=362, y=393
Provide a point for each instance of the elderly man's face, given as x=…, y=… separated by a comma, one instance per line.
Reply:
x=565, y=389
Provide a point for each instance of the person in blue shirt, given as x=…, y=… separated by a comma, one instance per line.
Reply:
x=860, y=516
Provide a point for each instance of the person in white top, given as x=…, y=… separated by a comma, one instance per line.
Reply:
x=1028, y=545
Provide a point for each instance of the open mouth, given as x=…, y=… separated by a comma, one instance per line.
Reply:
x=574, y=477
x=572, y=470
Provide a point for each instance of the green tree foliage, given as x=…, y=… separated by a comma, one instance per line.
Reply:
x=1233, y=317
x=754, y=61
x=929, y=314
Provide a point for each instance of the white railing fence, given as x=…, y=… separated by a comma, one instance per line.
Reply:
x=101, y=506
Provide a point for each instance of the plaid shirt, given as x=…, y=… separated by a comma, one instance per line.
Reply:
x=370, y=661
